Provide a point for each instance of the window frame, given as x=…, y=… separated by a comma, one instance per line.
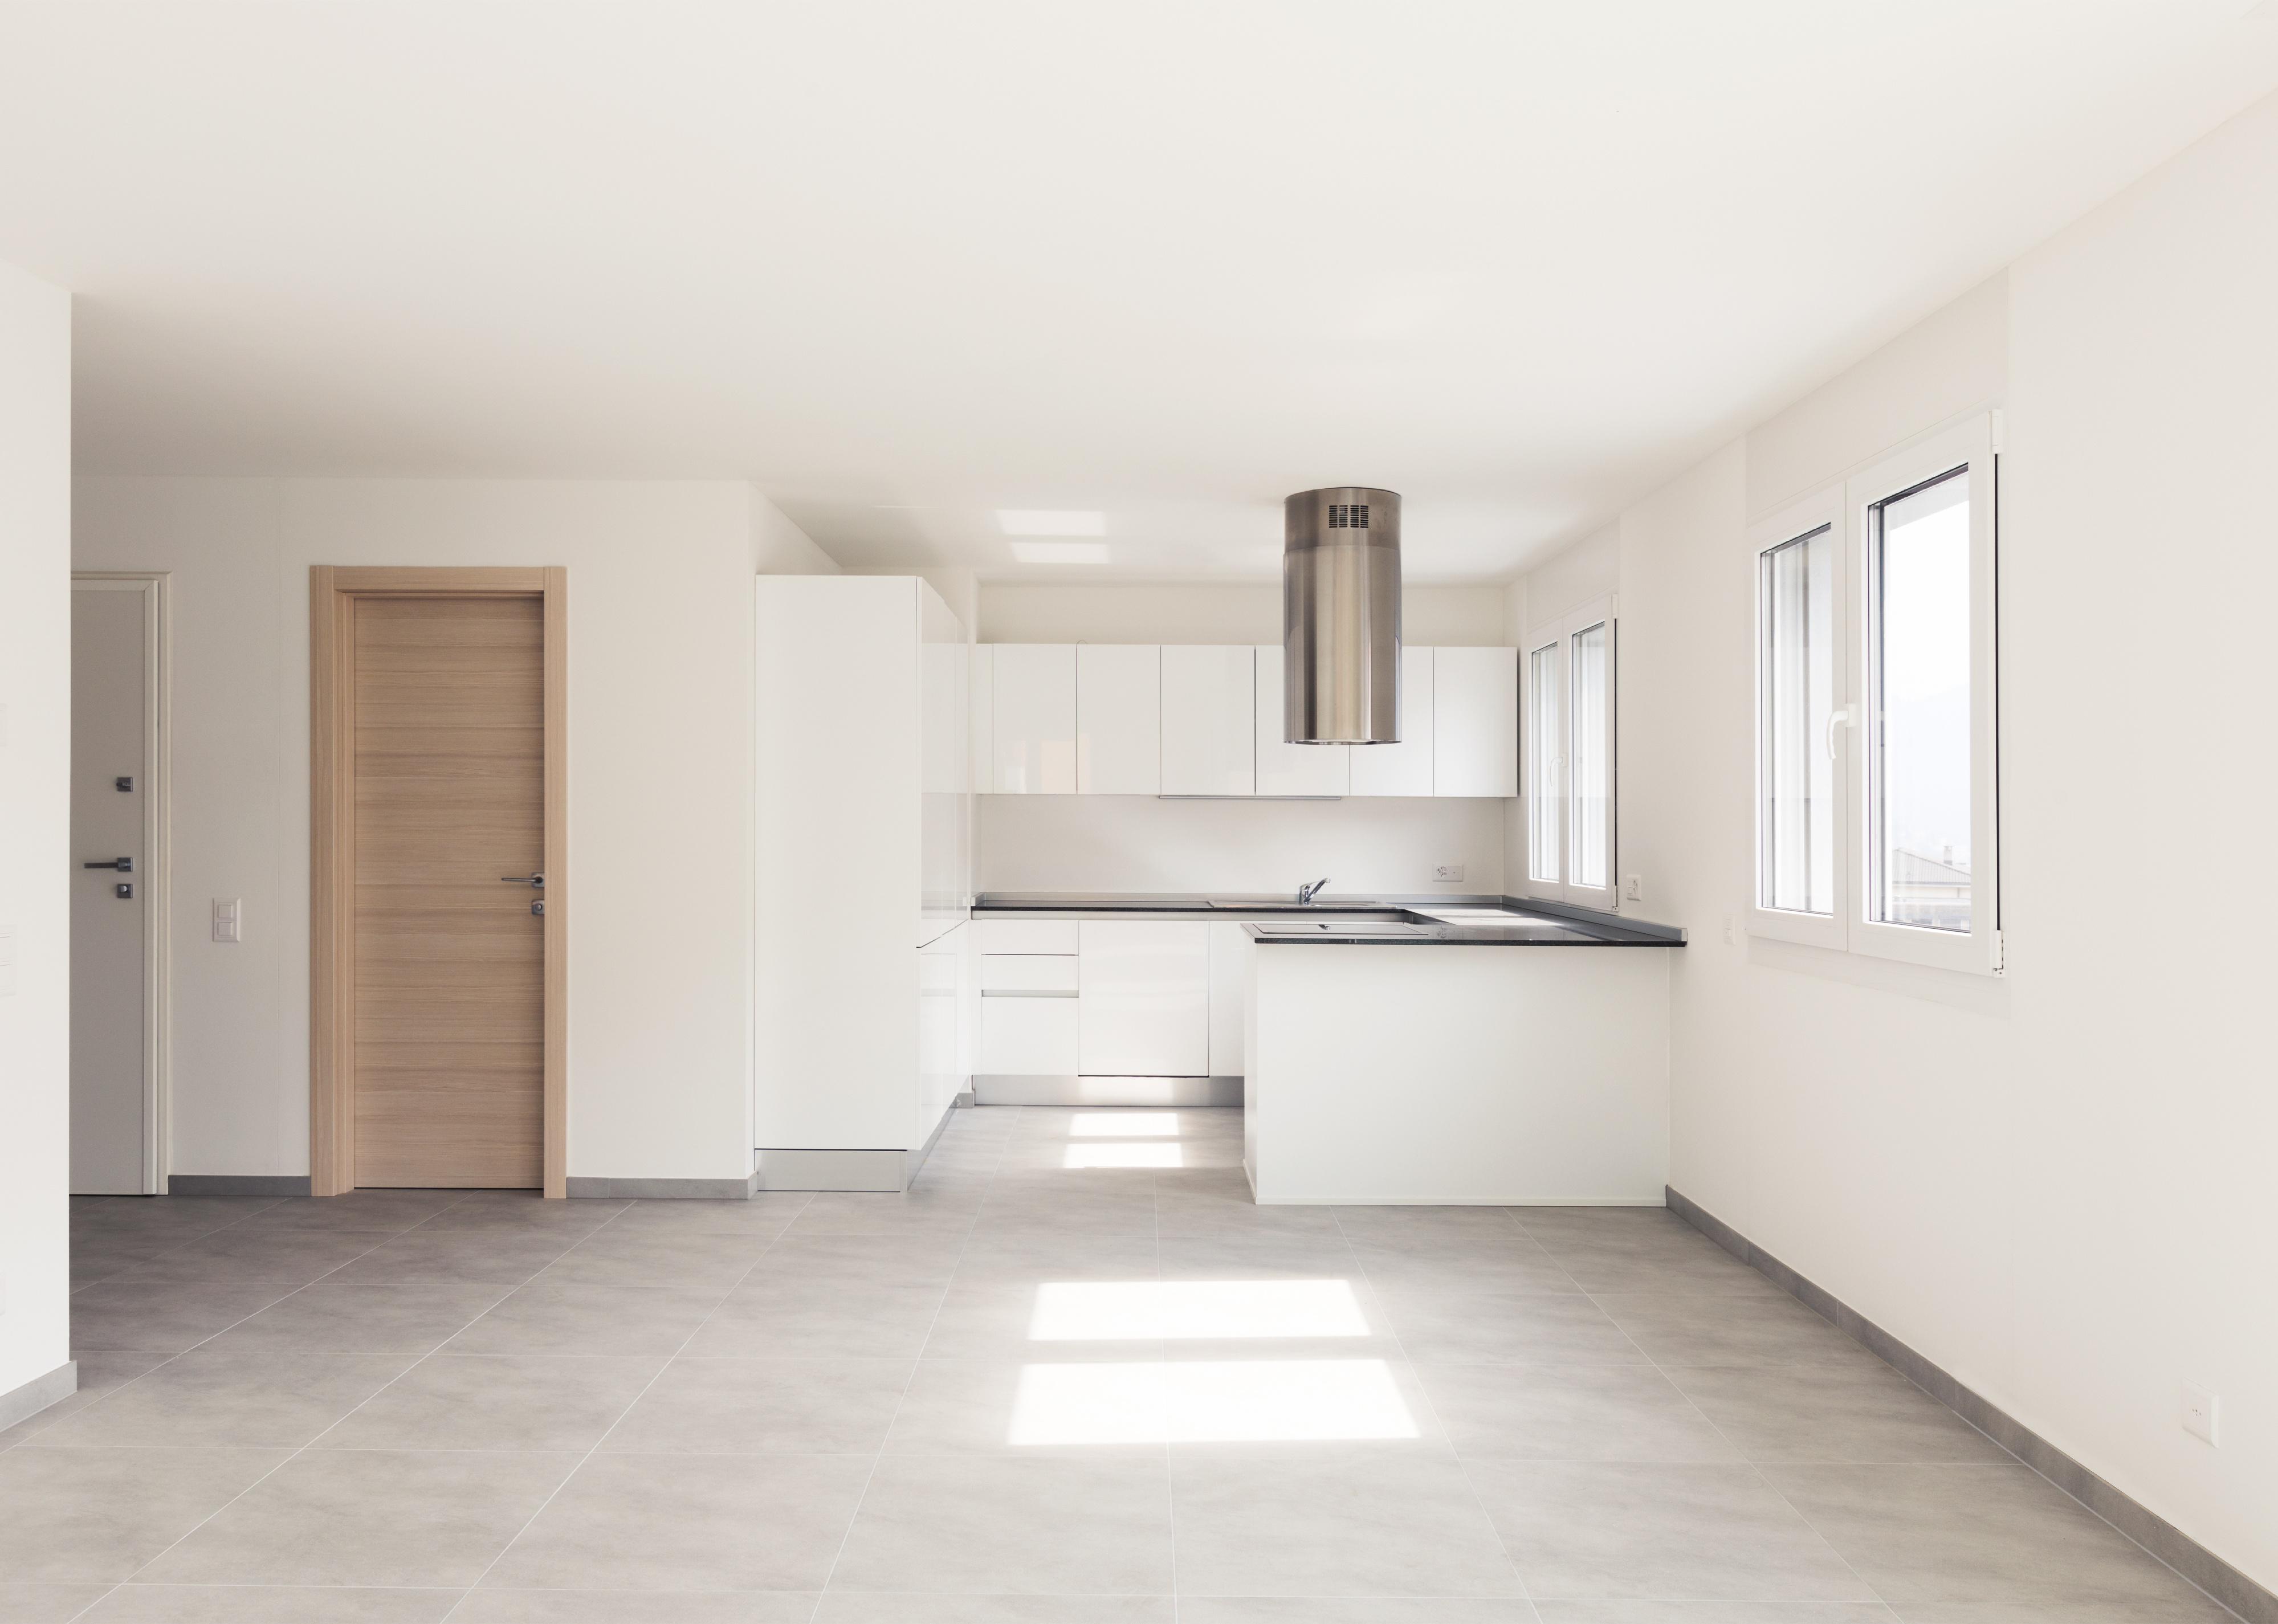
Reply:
x=1974, y=443
x=1824, y=510
x=1560, y=634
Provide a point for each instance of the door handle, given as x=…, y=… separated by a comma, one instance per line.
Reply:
x=531, y=880
x=124, y=866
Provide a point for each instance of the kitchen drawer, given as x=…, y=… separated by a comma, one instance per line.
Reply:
x=1028, y=973
x=1027, y=1037
x=1025, y=935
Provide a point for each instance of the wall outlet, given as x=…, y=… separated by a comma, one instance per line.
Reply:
x=1633, y=888
x=228, y=918
x=2202, y=1413
x=1448, y=873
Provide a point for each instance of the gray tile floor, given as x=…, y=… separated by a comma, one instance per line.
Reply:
x=1073, y=1377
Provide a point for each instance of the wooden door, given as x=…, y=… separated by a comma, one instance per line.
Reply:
x=447, y=1044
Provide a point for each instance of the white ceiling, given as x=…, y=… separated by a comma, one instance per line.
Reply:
x=903, y=262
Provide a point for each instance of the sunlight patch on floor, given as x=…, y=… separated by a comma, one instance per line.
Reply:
x=1194, y=1310
x=1241, y=1401
x=1125, y=1125
x=1130, y=1153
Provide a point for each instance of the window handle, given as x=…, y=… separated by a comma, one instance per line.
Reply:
x=1839, y=716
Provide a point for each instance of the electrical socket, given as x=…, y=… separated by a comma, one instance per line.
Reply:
x=2202, y=1413
x=229, y=919
x=1448, y=873
x=1633, y=888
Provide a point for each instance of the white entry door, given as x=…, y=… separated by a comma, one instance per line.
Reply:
x=114, y=1118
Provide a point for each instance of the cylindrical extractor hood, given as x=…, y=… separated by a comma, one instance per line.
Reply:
x=1340, y=616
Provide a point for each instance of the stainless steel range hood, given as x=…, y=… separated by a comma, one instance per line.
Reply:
x=1340, y=616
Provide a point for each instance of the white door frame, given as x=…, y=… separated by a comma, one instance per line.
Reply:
x=157, y=817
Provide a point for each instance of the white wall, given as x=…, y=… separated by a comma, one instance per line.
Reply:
x=1035, y=843
x=34, y=826
x=660, y=786
x=2053, y=1184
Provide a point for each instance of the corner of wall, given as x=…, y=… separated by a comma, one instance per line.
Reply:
x=779, y=547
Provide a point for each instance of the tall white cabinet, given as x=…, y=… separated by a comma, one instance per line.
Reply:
x=862, y=880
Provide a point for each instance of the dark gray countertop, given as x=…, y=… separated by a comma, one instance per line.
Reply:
x=1349, y=921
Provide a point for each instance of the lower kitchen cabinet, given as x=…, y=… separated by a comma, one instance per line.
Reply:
x=1144, y=1003
x=1027, y=1034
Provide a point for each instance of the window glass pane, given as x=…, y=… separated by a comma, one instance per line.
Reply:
x=1543, y=762
x=1592, y=767
x=1918, y=668
x=1795, y=869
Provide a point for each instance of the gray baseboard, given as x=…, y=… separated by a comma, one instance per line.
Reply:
x=661, y=1189
x=2154, y=1533
x=237, y=1184
x=879, y=1172
x=963, y=1101
x=1121, y=1092
x=20, y=1403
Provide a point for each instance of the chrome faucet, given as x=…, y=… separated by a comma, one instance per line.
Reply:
x=1306, y=893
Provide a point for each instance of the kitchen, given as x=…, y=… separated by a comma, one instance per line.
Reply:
x=1097, y=831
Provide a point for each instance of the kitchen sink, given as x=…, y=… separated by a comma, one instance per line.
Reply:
x=1341, y=927
x=1286, y=904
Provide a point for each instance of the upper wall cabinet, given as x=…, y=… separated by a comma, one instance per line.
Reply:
x=1475, y=711
x=1118, y=719
x=1205, y=720
x=1405, y=768
x=1287, y=769
x=1035, y=685
x=1210, y=719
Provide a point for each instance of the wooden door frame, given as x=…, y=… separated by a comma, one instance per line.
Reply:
x=333, y=592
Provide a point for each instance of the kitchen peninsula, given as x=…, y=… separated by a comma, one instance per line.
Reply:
x=1419, y=1051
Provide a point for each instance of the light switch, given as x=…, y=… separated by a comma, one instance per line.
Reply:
x=226, y=919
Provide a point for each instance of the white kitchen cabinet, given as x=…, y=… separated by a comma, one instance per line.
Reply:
x=860, y=877
x=1027, y=1034
x=1475, y=709
x=1145, y=999
x=1284, y=768
x=1035, y=718
x=1118, y=719
x=981, y=725
x=1028, y=973
x=1015, y=935
x=1229, y=995
x=1405, y=768
x=1210, y=719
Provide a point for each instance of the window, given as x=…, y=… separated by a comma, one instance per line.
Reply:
x=1569, y=739
x=1875, y=810
x=1546, y=760
x=1799, y=787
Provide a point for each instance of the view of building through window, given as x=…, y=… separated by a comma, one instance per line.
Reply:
x=1918, y=771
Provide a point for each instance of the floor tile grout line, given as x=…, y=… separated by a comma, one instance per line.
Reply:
x=1518, y=1572
x=773, y=1241
x=965, y=1244
x=233, y=1325
x=305, y=1448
